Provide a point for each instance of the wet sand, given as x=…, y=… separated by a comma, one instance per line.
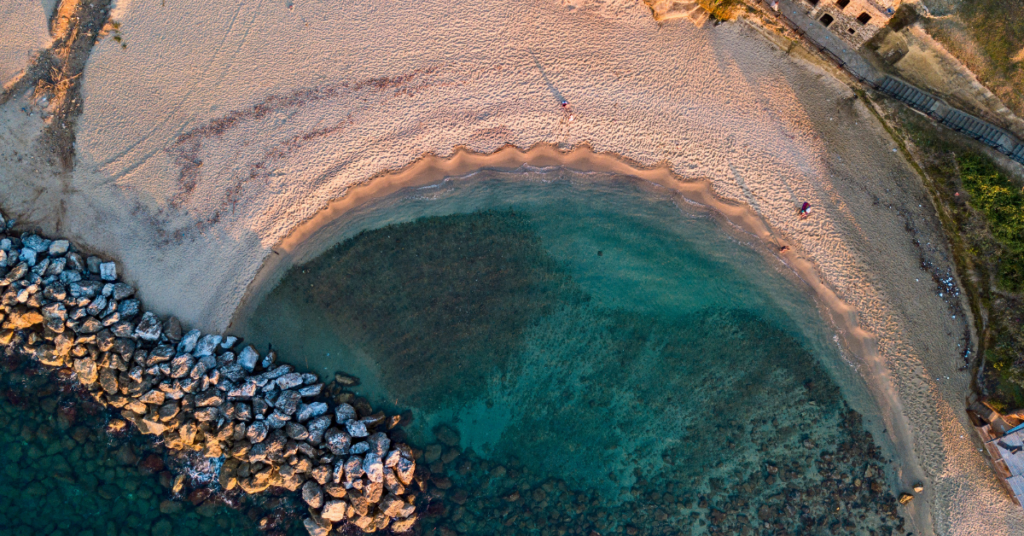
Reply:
x=194, y=162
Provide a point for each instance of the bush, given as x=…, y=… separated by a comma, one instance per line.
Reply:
x=1002, y=203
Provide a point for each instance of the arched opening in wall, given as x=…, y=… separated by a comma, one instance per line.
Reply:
x=863, y=18
x=842, y=3
x=826, y=19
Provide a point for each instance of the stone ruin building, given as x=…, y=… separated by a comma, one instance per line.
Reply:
x=853, y=21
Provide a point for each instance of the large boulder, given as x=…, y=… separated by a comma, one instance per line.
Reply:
x=308, y=411
x=364, y=522
x=248, y=358
x=290, y=380
x=108, y=380
x=288, y=402
x=405, y=469
x=207, y=345
x=344, y=413
x=353, y=468
x=23, y=319
x=379, y=443
x=181, y=365
x=209, y=397
x=337, y=491
x=356, y=428
x=336, y=510
x=338, y=441
x=391, y=505
x=86, y=370
x=373, y=467
x=312, y=494
x=149, y=327
x=54, y=315
x=257, y=432
x=188, y=342
x=296, y=431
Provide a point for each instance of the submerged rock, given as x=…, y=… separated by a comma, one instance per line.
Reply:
x=432, y=453
x=379, y=443
x=346, y=380
x=403, y=525
x=447, y=435
x=316, y=529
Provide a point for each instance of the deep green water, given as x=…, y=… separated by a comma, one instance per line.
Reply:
x=64, y=471
x=610, y=361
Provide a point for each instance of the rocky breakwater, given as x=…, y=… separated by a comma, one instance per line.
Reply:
x=271, y=425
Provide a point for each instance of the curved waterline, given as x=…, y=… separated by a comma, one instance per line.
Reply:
x=314, y=236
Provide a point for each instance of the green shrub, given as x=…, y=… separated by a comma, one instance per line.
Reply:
x=1002, y=203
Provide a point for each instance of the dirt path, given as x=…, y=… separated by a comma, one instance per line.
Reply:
x=53, y=84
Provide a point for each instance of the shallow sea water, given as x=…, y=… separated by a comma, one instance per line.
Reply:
x=592, y=355
x=66, y=470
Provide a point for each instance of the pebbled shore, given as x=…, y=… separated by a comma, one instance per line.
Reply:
x=200, y=393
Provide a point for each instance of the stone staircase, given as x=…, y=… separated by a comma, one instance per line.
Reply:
x=953, y=118
x=1018, y=153
x=909, y=95
x=676, y=9
x=980, y=130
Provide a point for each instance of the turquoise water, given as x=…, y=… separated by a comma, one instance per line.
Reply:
x=609, y=360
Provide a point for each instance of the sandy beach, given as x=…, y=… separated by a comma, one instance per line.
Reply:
x=24, y=29
x=222, y=132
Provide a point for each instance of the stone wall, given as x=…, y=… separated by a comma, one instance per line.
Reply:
x=271, y=425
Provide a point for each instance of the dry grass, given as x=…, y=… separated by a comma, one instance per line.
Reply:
x=724, y=9
x=988, y=37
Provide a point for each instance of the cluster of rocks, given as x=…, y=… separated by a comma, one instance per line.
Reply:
x=787, y=485
x=203, y=393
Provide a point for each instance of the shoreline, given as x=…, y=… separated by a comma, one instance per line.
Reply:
x=191, y=186
x=313, y=236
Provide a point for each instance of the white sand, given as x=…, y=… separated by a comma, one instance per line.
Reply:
x=223, y=127
x=23, y=31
